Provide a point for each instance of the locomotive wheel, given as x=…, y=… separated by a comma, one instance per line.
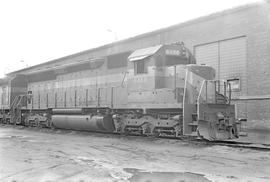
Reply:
x=26, y=122
x=156, y=133
x=148, y=129
x=48, y=124
x=36, y=122
x=52, y=126
x=125, y=131
x=178, y=131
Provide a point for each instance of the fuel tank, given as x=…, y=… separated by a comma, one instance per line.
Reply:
x=84, y=122
x=67, y=111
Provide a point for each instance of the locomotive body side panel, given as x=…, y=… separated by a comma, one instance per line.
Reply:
x=95, y=87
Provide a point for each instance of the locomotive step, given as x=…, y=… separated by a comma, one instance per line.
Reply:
x=194, y=123
x=193, y=134
x=194, y=116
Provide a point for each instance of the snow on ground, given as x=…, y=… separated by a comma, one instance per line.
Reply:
x=31, y=154
x=258, y=131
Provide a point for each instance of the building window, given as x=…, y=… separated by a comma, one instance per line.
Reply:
x=235, y=84
x=140, y=67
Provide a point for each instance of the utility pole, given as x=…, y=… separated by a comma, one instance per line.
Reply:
x=26, y=65
x=113, y=32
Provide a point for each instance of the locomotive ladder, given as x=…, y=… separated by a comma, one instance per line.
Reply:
x=194, y=124
x=15, y=109
x=2, y=114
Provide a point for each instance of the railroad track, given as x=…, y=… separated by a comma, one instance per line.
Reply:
x=254, y=146
x=234, y=144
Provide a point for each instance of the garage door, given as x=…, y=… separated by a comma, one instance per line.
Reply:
x=208, y=55
x=232, y=57
x=228, y=57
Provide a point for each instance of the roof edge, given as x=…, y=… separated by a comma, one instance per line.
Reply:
x=165, y=29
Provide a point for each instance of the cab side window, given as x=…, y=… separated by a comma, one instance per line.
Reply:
x=140, y=67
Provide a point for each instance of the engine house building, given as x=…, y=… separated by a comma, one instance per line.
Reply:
x=236, y=42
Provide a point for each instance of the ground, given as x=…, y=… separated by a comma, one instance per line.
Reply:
x=31, y=154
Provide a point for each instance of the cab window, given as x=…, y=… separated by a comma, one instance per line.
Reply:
x=140, y=67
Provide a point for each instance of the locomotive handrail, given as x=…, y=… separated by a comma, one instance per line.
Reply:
x=217, y=91
x=16, y=104
x=122, y=83
x=14, y=101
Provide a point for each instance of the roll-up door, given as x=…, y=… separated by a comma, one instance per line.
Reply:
x=228, y=57
x=233, y=59
x=208, y=54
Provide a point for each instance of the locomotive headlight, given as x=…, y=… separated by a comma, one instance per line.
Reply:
x=220, y=115
x=115, y=116
x=176, y=117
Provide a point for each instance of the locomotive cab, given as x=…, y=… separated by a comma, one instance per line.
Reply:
x=156, y=76
x=155, y=85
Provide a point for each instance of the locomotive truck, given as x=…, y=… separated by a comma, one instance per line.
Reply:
x=154, y=91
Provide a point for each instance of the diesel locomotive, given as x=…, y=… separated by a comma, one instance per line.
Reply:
x=155, y=91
